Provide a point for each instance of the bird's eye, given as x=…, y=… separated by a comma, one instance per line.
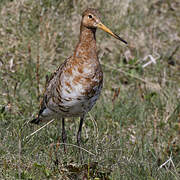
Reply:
x=90, y=16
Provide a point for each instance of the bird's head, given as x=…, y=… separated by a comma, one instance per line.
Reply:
x=91, y=20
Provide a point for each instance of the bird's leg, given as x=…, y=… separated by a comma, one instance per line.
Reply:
x=64, y=137
x=79, y=131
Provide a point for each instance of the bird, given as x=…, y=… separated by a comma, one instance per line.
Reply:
x=73, y=89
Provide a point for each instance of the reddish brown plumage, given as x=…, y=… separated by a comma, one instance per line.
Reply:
x=76, y=85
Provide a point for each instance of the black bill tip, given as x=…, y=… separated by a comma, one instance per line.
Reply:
x=120, y=39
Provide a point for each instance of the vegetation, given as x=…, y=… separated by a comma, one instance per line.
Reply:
x=133, y=132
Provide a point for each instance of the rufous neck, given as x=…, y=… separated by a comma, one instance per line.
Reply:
x=86, y=47
x=87, y=34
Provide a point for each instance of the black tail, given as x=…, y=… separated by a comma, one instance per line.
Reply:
x=35, y=121
x=38, y=119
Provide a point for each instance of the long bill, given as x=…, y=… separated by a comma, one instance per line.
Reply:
x=104, y=28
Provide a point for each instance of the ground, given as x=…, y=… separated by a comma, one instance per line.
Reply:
x=133, y=132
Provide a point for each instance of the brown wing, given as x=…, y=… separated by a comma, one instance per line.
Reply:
x=48, y=79
x=43, y=101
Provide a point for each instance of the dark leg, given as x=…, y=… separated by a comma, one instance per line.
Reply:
x=79, y=131
x=64, y=137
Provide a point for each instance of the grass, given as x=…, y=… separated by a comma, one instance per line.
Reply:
x=132, y=132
